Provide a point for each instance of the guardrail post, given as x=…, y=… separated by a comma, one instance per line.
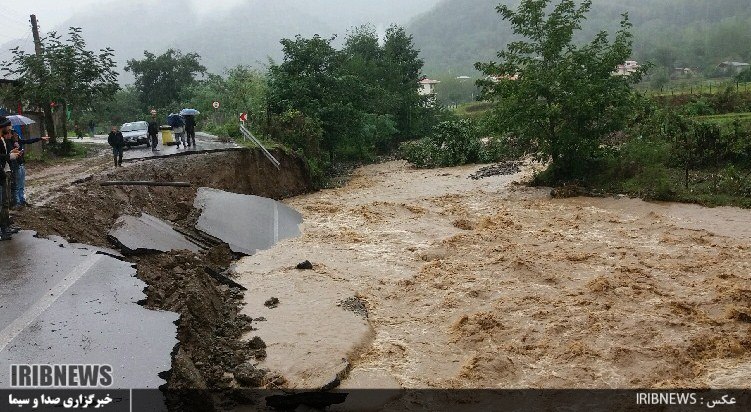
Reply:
x=247, y=135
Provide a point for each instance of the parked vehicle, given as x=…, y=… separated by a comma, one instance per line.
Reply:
x=135, y=133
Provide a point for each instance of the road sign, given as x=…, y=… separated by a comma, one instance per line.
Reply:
x=215, y=105
x=243, y=117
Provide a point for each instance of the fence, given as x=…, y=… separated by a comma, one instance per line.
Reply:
x=699, y=88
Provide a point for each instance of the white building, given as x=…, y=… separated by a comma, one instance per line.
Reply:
x=627, y=68
x=733, y=67
x=427, y=87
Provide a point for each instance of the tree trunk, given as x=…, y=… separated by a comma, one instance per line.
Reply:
x=49, y=122
x=65, y=121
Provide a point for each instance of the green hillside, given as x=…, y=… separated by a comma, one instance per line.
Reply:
x=671, y=33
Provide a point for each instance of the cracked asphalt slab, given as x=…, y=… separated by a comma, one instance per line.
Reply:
x=63, y=304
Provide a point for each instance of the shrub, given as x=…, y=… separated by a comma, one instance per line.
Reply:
x=700, y=107
x=66, y=148
x=458, y=142
x=451, y=143
x=420, y=153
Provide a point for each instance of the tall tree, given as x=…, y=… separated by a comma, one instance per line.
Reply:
x=363, y=97
x=402, y=67
x=240, y=90
x=162, y=80
x=304, y=82
x=73, y=76
x=562, y=99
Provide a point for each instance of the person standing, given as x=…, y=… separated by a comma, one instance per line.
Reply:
x=19, y=167
x=117, y=141
x=92, y=128
x=7, y=154
x=179, y=132
x=190, y=129
x=77, y=129
x=153, y=132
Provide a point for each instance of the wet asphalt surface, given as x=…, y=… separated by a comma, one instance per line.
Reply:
x=246, y=223
x=63, y=304
x=204, y=143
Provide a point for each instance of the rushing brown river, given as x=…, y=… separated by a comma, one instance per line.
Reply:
x=490, y=284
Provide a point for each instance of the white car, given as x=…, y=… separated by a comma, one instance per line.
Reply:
x=135, y=133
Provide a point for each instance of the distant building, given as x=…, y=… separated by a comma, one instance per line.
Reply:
x=729, y=67
x=628, y=68
x=427, y=87
x=684, y=71
x=496, y=79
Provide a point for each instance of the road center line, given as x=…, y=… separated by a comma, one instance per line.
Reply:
x=22, y=322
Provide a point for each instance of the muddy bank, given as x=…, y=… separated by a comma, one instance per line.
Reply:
x=190, y=284
x=84, y=212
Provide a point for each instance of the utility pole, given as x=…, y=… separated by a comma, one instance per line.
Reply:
x=48, y=120
x=35, y=32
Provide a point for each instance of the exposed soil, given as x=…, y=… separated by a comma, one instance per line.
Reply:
x=187, y=283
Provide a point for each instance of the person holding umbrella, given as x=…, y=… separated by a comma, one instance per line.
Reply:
x=190, y=124
x=178, y=128
x=19, y=168
x=7, y=154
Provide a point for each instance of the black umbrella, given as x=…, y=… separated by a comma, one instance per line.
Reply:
x=175, y=120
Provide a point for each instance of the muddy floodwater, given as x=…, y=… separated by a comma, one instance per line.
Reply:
x=490, y=284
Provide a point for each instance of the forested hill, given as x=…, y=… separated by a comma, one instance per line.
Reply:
x=681, y=33
x=247, y=33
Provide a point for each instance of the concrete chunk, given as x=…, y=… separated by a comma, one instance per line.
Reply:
x=136, y=235
x=71, y=306
x=246, y=223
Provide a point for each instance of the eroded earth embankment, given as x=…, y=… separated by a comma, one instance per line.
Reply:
x=191, y=284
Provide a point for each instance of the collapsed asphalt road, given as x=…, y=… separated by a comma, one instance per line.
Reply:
x=68, y=305
x=191, y=284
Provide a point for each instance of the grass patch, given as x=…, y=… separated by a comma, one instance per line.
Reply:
x=645, y=171
x=473, y=110
x=721, y=119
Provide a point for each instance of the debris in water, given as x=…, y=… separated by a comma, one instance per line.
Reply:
x=354, y=304
x=271, y=303
x=505, y=168
x=250, y=376
x=305, y=265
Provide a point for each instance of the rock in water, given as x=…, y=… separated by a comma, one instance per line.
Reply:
x=305, y=265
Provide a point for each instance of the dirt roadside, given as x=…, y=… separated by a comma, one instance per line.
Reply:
x=489, y=284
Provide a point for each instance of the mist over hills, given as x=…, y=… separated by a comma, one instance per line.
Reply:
x=451, y=34
x=682, y=33
x=247, y=34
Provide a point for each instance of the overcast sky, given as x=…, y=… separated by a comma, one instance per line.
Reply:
x=50, y=13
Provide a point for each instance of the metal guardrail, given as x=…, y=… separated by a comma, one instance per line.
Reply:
x=248, y=135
